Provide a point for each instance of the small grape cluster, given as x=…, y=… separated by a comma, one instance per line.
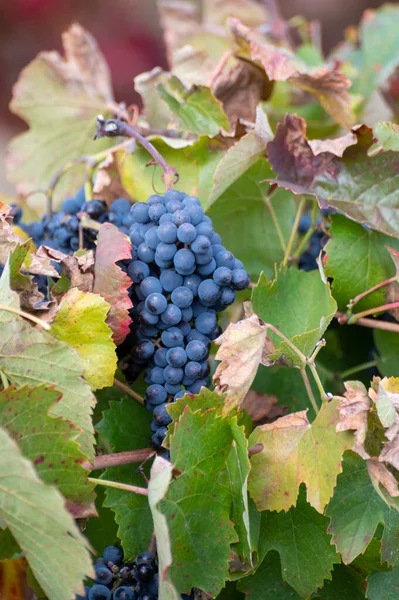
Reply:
x=317, y=241
x=183, y=277
x=60, y=230
x=116, y=580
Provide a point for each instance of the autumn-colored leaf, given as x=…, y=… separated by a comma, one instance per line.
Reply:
x=110, y=281
x=243, y=346
x=80, y=322
x=294, y=452
x=13, y=585
x=328, y=84
x=353, y=413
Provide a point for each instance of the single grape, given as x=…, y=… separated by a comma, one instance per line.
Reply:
x=151, y=285
x=144, y=349
x=205, y=228
x=172, y=315
x=123, y=592
x=193, y=370
x=145, y=573
x=148, y=318
x=187, y=314
x=103, y=574
x=99, y=592
x=173, y=375
x=121, y=206
x=180, y=217
x=174, y=195
x=113, y=554
x=176, y=357
x=209, y=292
x=222, y=276
x=191, y=201
x=156, y=303
x=192, y=282
x=227, y=296
x=207, y=269
x=179, y=394
x=172, y=337
x=184, y=326
x=167, y=232
x=166, y=218
x=140, y=212
x=160, y=357
x=145, y=253
x=155, y=199
x=186, y=233
x=205, y=259
x=166, y=251
x=195, y=212
x=201, y=244
x=182, y=296
x=206, y=322
x=184, y=261
x=305, y=223
x=195, y=388
x=156, y=211
x=157, y=376
x=170, y=280
x=94, y=208
x=172, y=388
x=156, y=394
x=225, y=259
x=240, y=279
x=138, y=271
x=145, y=558
x=161, y=415
x=196, y=350
x=151, y=237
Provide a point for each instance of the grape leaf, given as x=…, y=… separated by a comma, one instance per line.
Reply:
x=345, y=583
x=299, y=536
x=266, y=583
x=243, y=346
x=110, y=281
x=45, y=531
x=48, y=443
x=240, y=157
x=387, y=343
x=357, y=260
x=390, y=538
x=197, y=504
x=33, y=357
x=196, y=110
x=126, y=426
x=300, y=305
x=386, y=137
x=253, y=220
x=295, y=451
x=362, y=187
x=195, y=164
x=326, y=83
x=383, y=586
x=8, y=546
x=63, y=95
x=355, y=509
x=80, y=322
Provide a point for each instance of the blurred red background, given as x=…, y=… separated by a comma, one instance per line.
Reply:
x=129, y=35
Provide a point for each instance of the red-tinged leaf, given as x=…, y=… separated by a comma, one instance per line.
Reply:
x=362, y=187
x=110, y=281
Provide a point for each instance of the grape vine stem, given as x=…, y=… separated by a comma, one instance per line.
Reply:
x=357, y=298
x=125, y=388
x=309, y=390
x=294, y=229
x=118, y=459
x=119, y=486
x=25, y=315
x=371, y=311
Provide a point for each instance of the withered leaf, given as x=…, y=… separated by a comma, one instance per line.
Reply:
x=353, y=413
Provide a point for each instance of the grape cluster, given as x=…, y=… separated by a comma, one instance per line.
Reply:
x=317, y=241
x=61, y=229
x=117, y=580
x=182, y=278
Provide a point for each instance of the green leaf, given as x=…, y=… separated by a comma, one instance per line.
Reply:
x=126, y=426
x=196, y=110
x=45, y=531
x=376, y=61
x=111, y=282
x=48, y=443
x=244, y=216
x=345, y=583
x=195, y=164
x=362, y=187
x=266, y=583
x=102, y=531
x=387, y=343
x=386, y=137
x=299, y=536
x=300, y=305
x=294, y=452
x=8, y=546
x=59, y=98
x=29, y=356
x=198, y=501
x=357, y=260
x=355, y=510
x=383, y=586
x=80, y=323
x=241, y=156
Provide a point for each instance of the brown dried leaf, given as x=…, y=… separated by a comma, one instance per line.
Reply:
x=80, y=270
x=108, y=185
x=180, y=22
x=243, y=346
x=336, y=146
x=379, y=474
x=328, y=84
x=353, y=413
x=263, y=408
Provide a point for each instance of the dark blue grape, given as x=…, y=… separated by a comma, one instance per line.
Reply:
x=193, y=370
x=148, y=318
x=138, y=271
x=240, y=279
x=182, y=296
x=172, y=388
x=205, y=228
x=156, y=394
x=176, y=357
x=167, y=232
x=173, y=206
x=103, y=574
x=170, y=280
x=166, y=251
x=180, y=217
x=179, y=394
x=201, y=245
x=113, y=554
x=157, y=376
x=156, y=303
x=121, y=206
x=195, y=388
x=227, y=296
x=305, y=223
x=94, y=208
x=161, y=415
x=172, y=315
x=206, y=322
x=187, y=314
x=99, y=592
x=192, y=282
x=155, y=199
x=205, y=259
x=123, y=592
x=166, y=218
x=195, y=212
x=207, y=269
x=156, y=211
x=184, y=261
x=184, y=326
x=225, y=259
x=173, y=375
x=216, y=239
x=145, y=253
x=172, y=337
x=160, y=357
x=186, y=233
x=196, y=350
x=222, y=276
x=209, y=292
x=151, y=285
x=191, y=201
x=145, y=558
x=144, y=349
x=140, y=212
x=151, y=237
x=174, y=195
x=135, y=235
x=71, y=206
